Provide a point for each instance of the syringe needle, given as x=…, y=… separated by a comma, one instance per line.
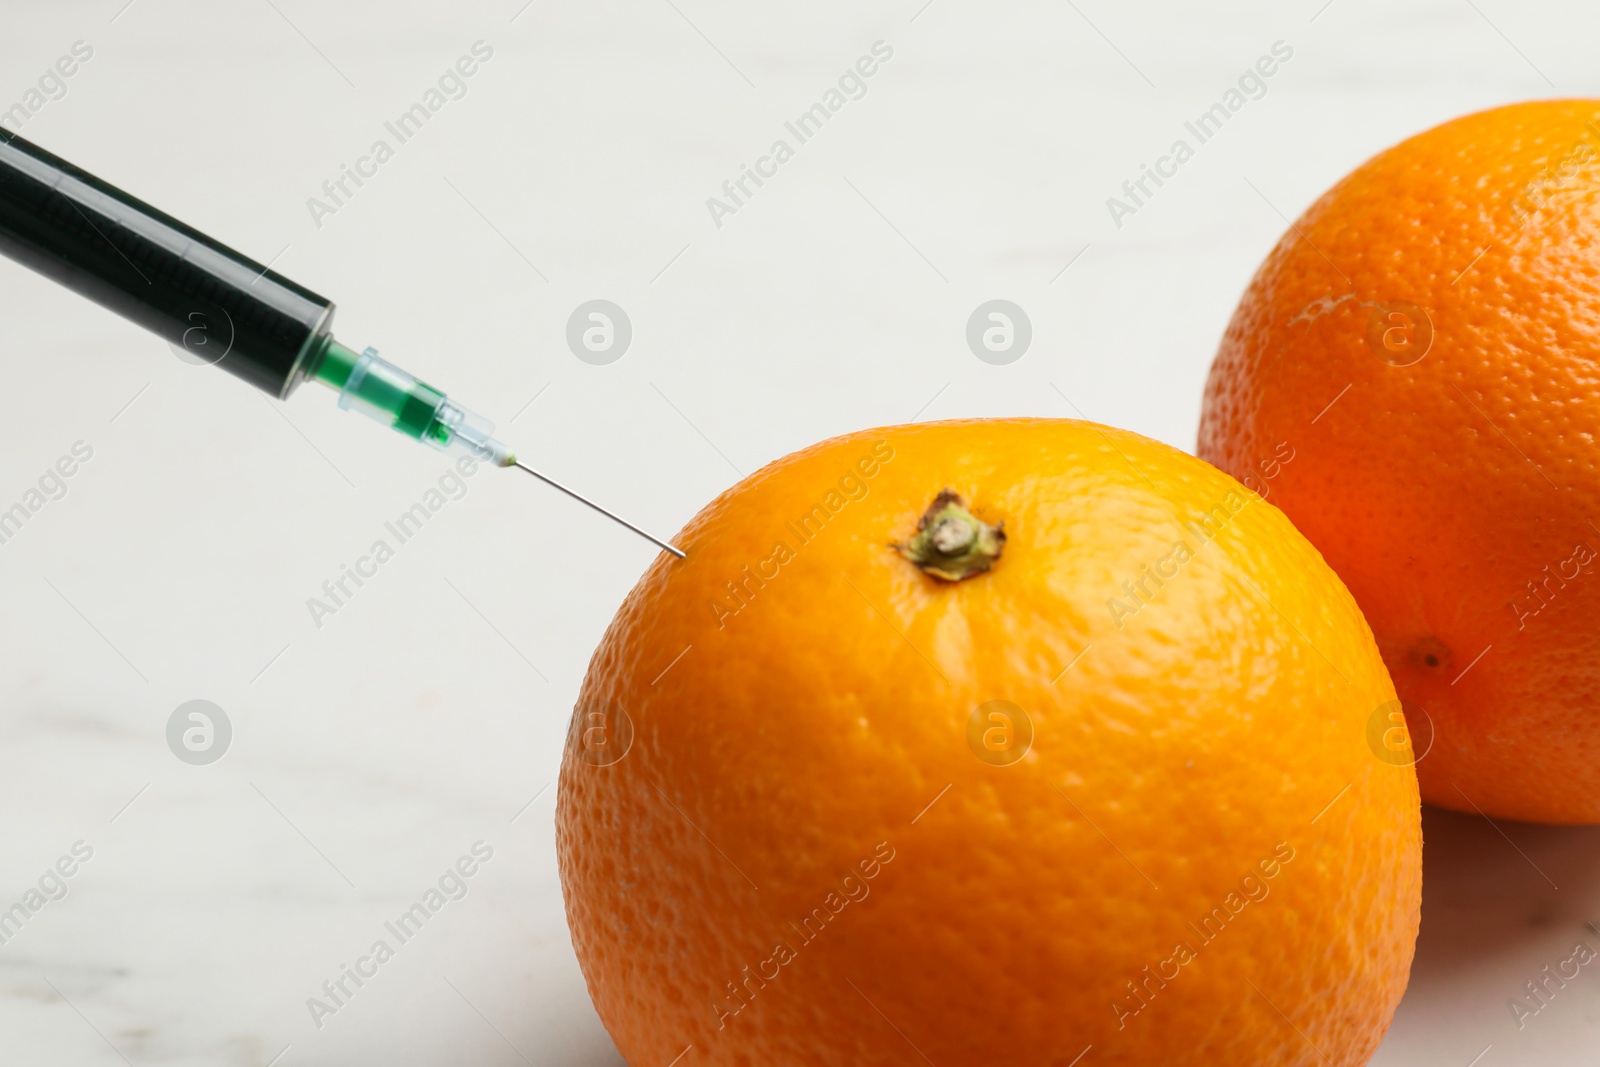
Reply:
x=378, y=388
x=545, y=478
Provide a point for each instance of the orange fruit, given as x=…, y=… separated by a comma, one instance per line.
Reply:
x=1425, y=341
x=820, y=807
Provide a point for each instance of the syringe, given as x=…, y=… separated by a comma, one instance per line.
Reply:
x=219, y=305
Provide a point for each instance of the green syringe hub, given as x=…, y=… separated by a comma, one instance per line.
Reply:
x=401, y=401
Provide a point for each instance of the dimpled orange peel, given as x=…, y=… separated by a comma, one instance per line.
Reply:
x=1002, y=741
x=1425, y=340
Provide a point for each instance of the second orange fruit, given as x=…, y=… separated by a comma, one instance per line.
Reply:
x=1426, y=342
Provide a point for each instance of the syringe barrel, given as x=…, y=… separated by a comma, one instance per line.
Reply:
x=152, y=269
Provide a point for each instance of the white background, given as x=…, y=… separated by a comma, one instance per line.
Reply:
x=370, y=753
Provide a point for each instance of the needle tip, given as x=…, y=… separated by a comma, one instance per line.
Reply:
x=512, y=461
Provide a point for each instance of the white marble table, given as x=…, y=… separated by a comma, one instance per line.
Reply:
x=427, y=713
